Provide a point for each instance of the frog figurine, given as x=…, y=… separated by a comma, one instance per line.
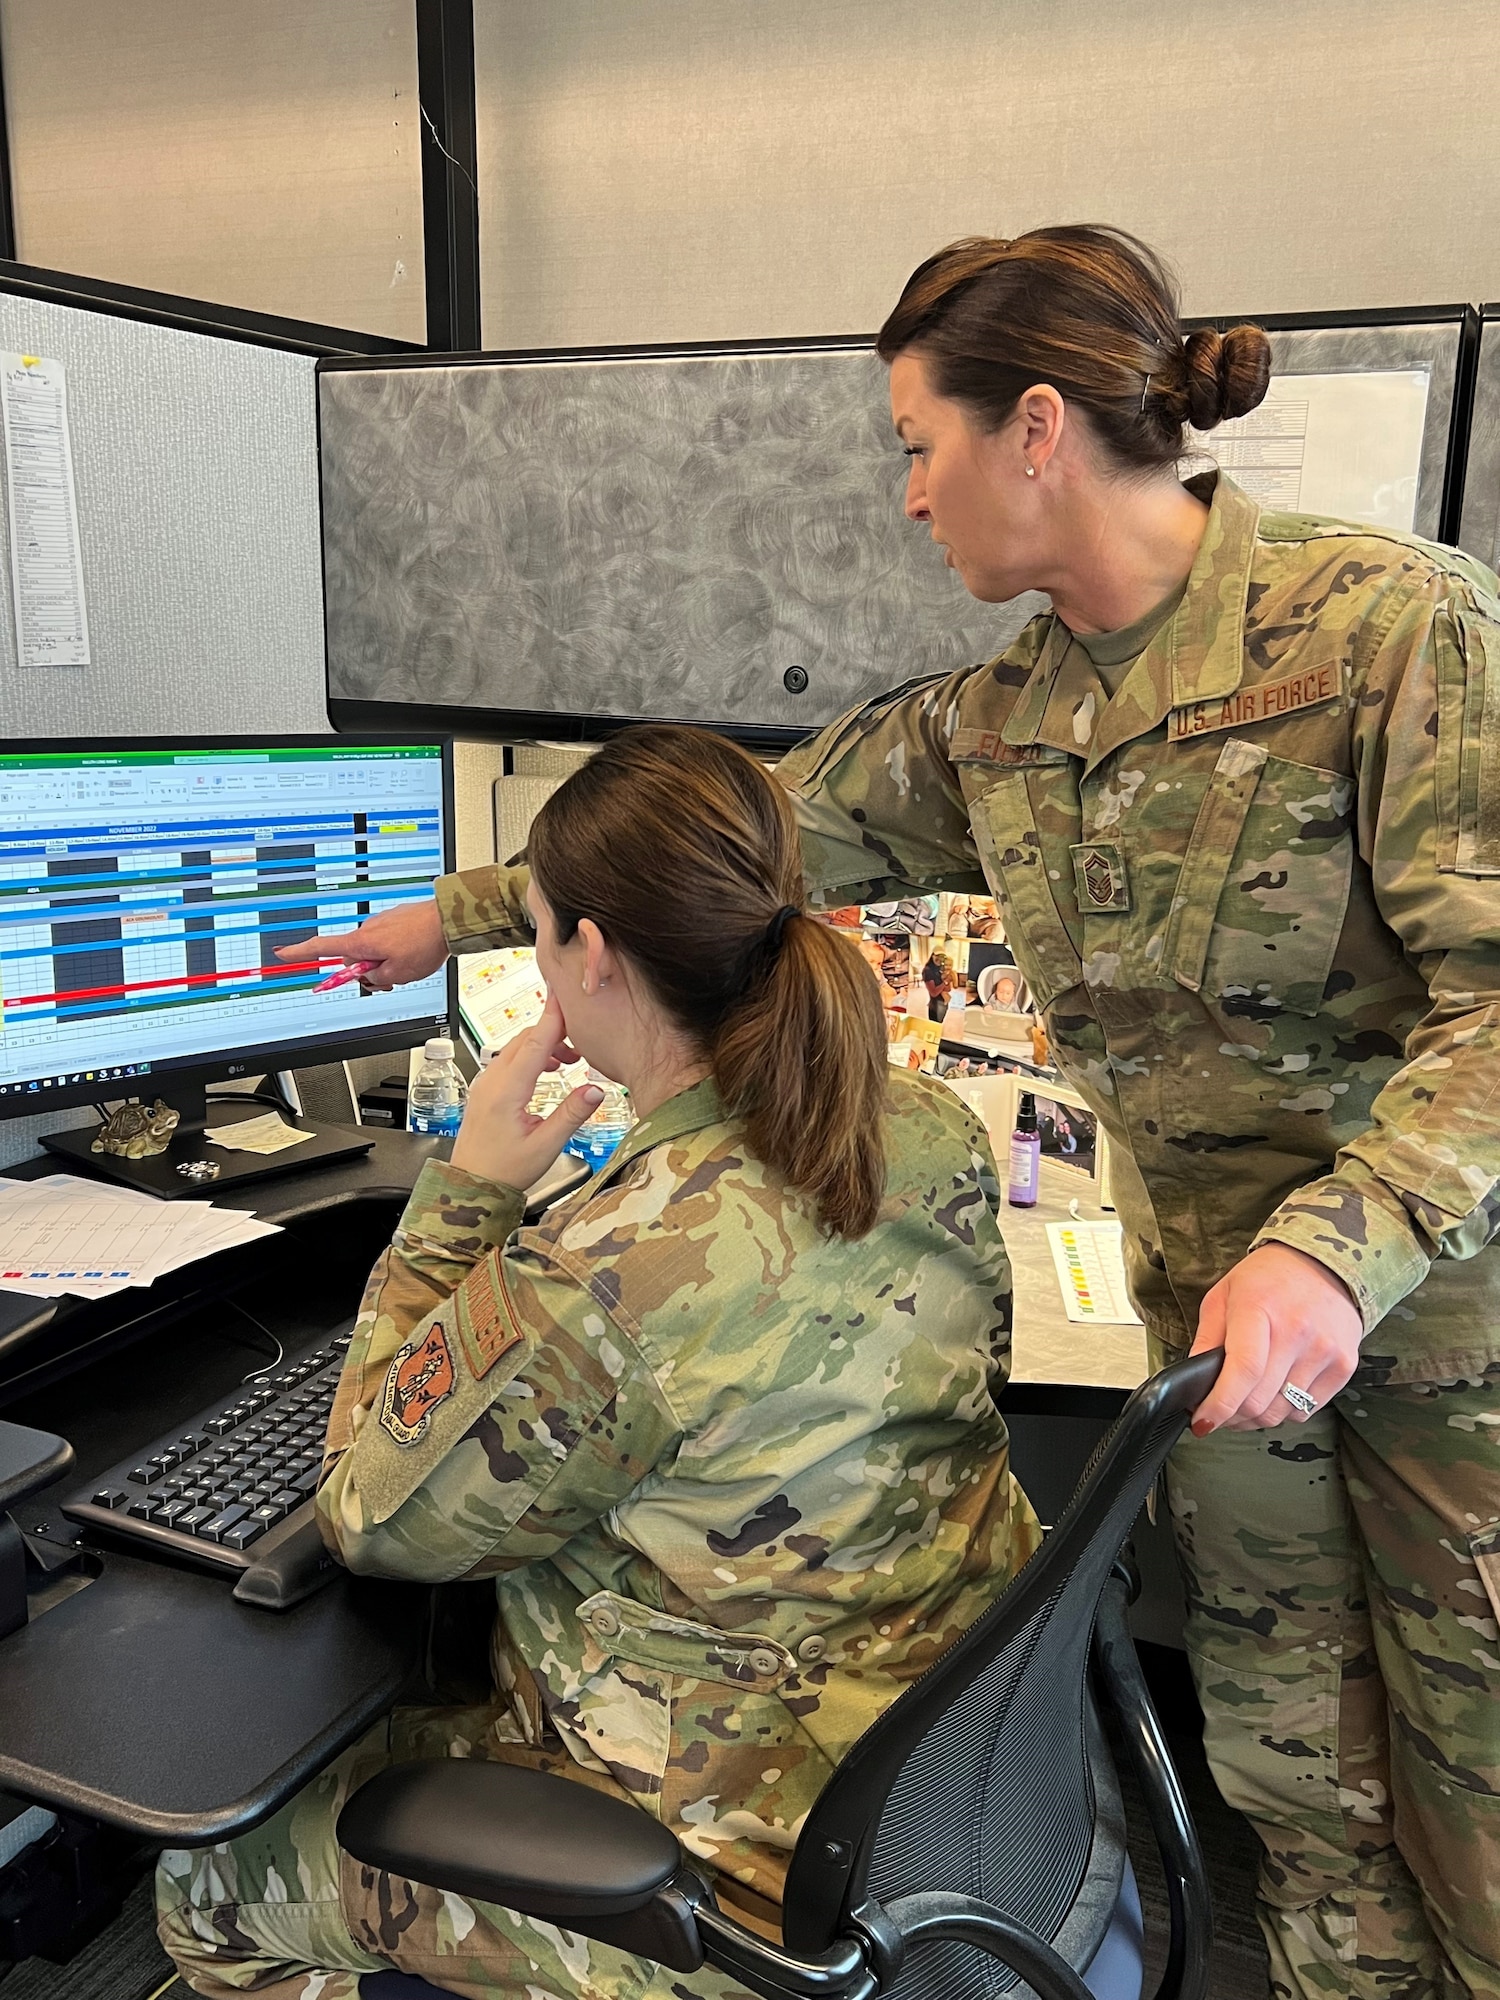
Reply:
x=136, y=1133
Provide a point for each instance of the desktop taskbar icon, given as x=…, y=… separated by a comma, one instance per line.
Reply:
x=78, y=1076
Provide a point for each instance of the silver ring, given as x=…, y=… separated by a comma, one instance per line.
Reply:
x=1299, y=1399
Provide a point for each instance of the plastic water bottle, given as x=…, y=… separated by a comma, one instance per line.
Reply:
x=436, y=1103
x=598, y=1138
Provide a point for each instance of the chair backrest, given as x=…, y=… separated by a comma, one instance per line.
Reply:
x=976, y=1780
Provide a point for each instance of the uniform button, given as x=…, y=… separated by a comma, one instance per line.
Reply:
x=811, y=1649
x=605, y=1622
x=764, y=1661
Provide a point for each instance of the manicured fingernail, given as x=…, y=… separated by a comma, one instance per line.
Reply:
x=1202, y=1430
x=592, y=1095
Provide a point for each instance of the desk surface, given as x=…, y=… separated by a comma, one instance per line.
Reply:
x=41, y=1339
x=1047, y=1345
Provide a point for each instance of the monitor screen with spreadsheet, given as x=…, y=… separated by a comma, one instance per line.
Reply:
x=144, y=888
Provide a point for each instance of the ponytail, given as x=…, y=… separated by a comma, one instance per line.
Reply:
x=802, y=1059
x=685, y=852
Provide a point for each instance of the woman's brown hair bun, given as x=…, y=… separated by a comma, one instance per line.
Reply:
x=1226, y=374
x=1093, y=311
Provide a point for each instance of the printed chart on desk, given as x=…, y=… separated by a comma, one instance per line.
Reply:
x=144, y=892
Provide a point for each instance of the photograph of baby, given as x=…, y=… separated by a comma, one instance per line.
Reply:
x=991, y=978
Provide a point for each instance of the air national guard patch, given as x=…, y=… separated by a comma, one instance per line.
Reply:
x=419, y=1379
x=1099, y=871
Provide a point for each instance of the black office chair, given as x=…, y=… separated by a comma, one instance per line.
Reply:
x=970, y=1845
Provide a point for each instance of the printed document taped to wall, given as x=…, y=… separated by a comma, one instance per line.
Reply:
x=46, y=561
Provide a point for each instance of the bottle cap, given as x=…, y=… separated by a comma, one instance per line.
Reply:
x=439, y=1049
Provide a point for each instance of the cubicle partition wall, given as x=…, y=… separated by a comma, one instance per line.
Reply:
x=1479, y=526
x=552, y=545
x=193, y=436
x=1366, y=418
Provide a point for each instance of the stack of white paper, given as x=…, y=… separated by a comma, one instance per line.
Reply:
x=63, y=1234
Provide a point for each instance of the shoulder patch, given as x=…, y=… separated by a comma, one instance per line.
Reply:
x=420, y=1377
x=1262, y=703
x=487, y=1324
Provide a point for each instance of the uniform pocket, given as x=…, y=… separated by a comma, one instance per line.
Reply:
x=1484, y=1547
x=1264, y=886
x=1272, y=1742
x=1008, y=821
x=1467, y=661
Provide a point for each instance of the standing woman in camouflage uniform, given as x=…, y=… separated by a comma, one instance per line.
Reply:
x=723, y=1423
x=1239, y=797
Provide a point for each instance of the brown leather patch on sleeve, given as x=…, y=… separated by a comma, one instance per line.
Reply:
x=1264, y=703
x=487, y=1323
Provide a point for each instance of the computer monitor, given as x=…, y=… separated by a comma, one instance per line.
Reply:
x=144, y=887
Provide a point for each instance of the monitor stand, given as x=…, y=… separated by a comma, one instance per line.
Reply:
x=158, y=1173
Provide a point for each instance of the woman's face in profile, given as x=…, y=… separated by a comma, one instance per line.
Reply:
x=962, y=483
x=561, y=966
x=584, y=977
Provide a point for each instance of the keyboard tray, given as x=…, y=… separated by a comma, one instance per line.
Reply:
x=236, y=1480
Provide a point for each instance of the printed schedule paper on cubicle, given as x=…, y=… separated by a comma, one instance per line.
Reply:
x=46, y=561
x=1348, y=445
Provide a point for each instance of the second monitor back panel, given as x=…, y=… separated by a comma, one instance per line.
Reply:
x=663, y=536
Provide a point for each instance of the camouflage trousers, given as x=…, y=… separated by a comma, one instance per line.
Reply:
x=1343, y=1598
x=283, y=1913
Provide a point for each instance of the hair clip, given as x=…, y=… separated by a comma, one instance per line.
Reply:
x=1145, y=387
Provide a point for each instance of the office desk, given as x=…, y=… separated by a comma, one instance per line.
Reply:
x=1048, y=1347
x=148, y=1698
x=41, y=1339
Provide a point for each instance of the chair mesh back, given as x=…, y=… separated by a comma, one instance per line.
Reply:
x=996, y=1800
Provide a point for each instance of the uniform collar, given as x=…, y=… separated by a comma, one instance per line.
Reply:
x=689, y=1111
x=1198, y=655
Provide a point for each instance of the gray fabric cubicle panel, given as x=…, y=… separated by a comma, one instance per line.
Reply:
x=1432, y=346
x=1479, y=530
x=616, y=538
x=196, y=471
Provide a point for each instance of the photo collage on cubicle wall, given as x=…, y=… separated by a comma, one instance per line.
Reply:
x=945, y=973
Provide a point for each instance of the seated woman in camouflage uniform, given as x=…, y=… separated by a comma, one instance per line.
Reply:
x=722, y=1425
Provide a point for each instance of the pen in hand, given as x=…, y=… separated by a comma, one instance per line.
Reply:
x=345, y=973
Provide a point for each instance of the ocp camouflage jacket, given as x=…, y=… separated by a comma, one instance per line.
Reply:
x=741, y=1481
x=1255, y=893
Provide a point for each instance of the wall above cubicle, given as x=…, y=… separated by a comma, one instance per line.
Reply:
x=193, y=434
x=552, y=545
x=1479, y=526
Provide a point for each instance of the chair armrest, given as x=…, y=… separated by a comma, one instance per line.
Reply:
x=543, y=1845
x=29, y=1460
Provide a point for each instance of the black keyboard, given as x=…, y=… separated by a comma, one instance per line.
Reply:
x=234, y=1482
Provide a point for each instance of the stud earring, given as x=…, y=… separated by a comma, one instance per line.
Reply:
x=1031, y=472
